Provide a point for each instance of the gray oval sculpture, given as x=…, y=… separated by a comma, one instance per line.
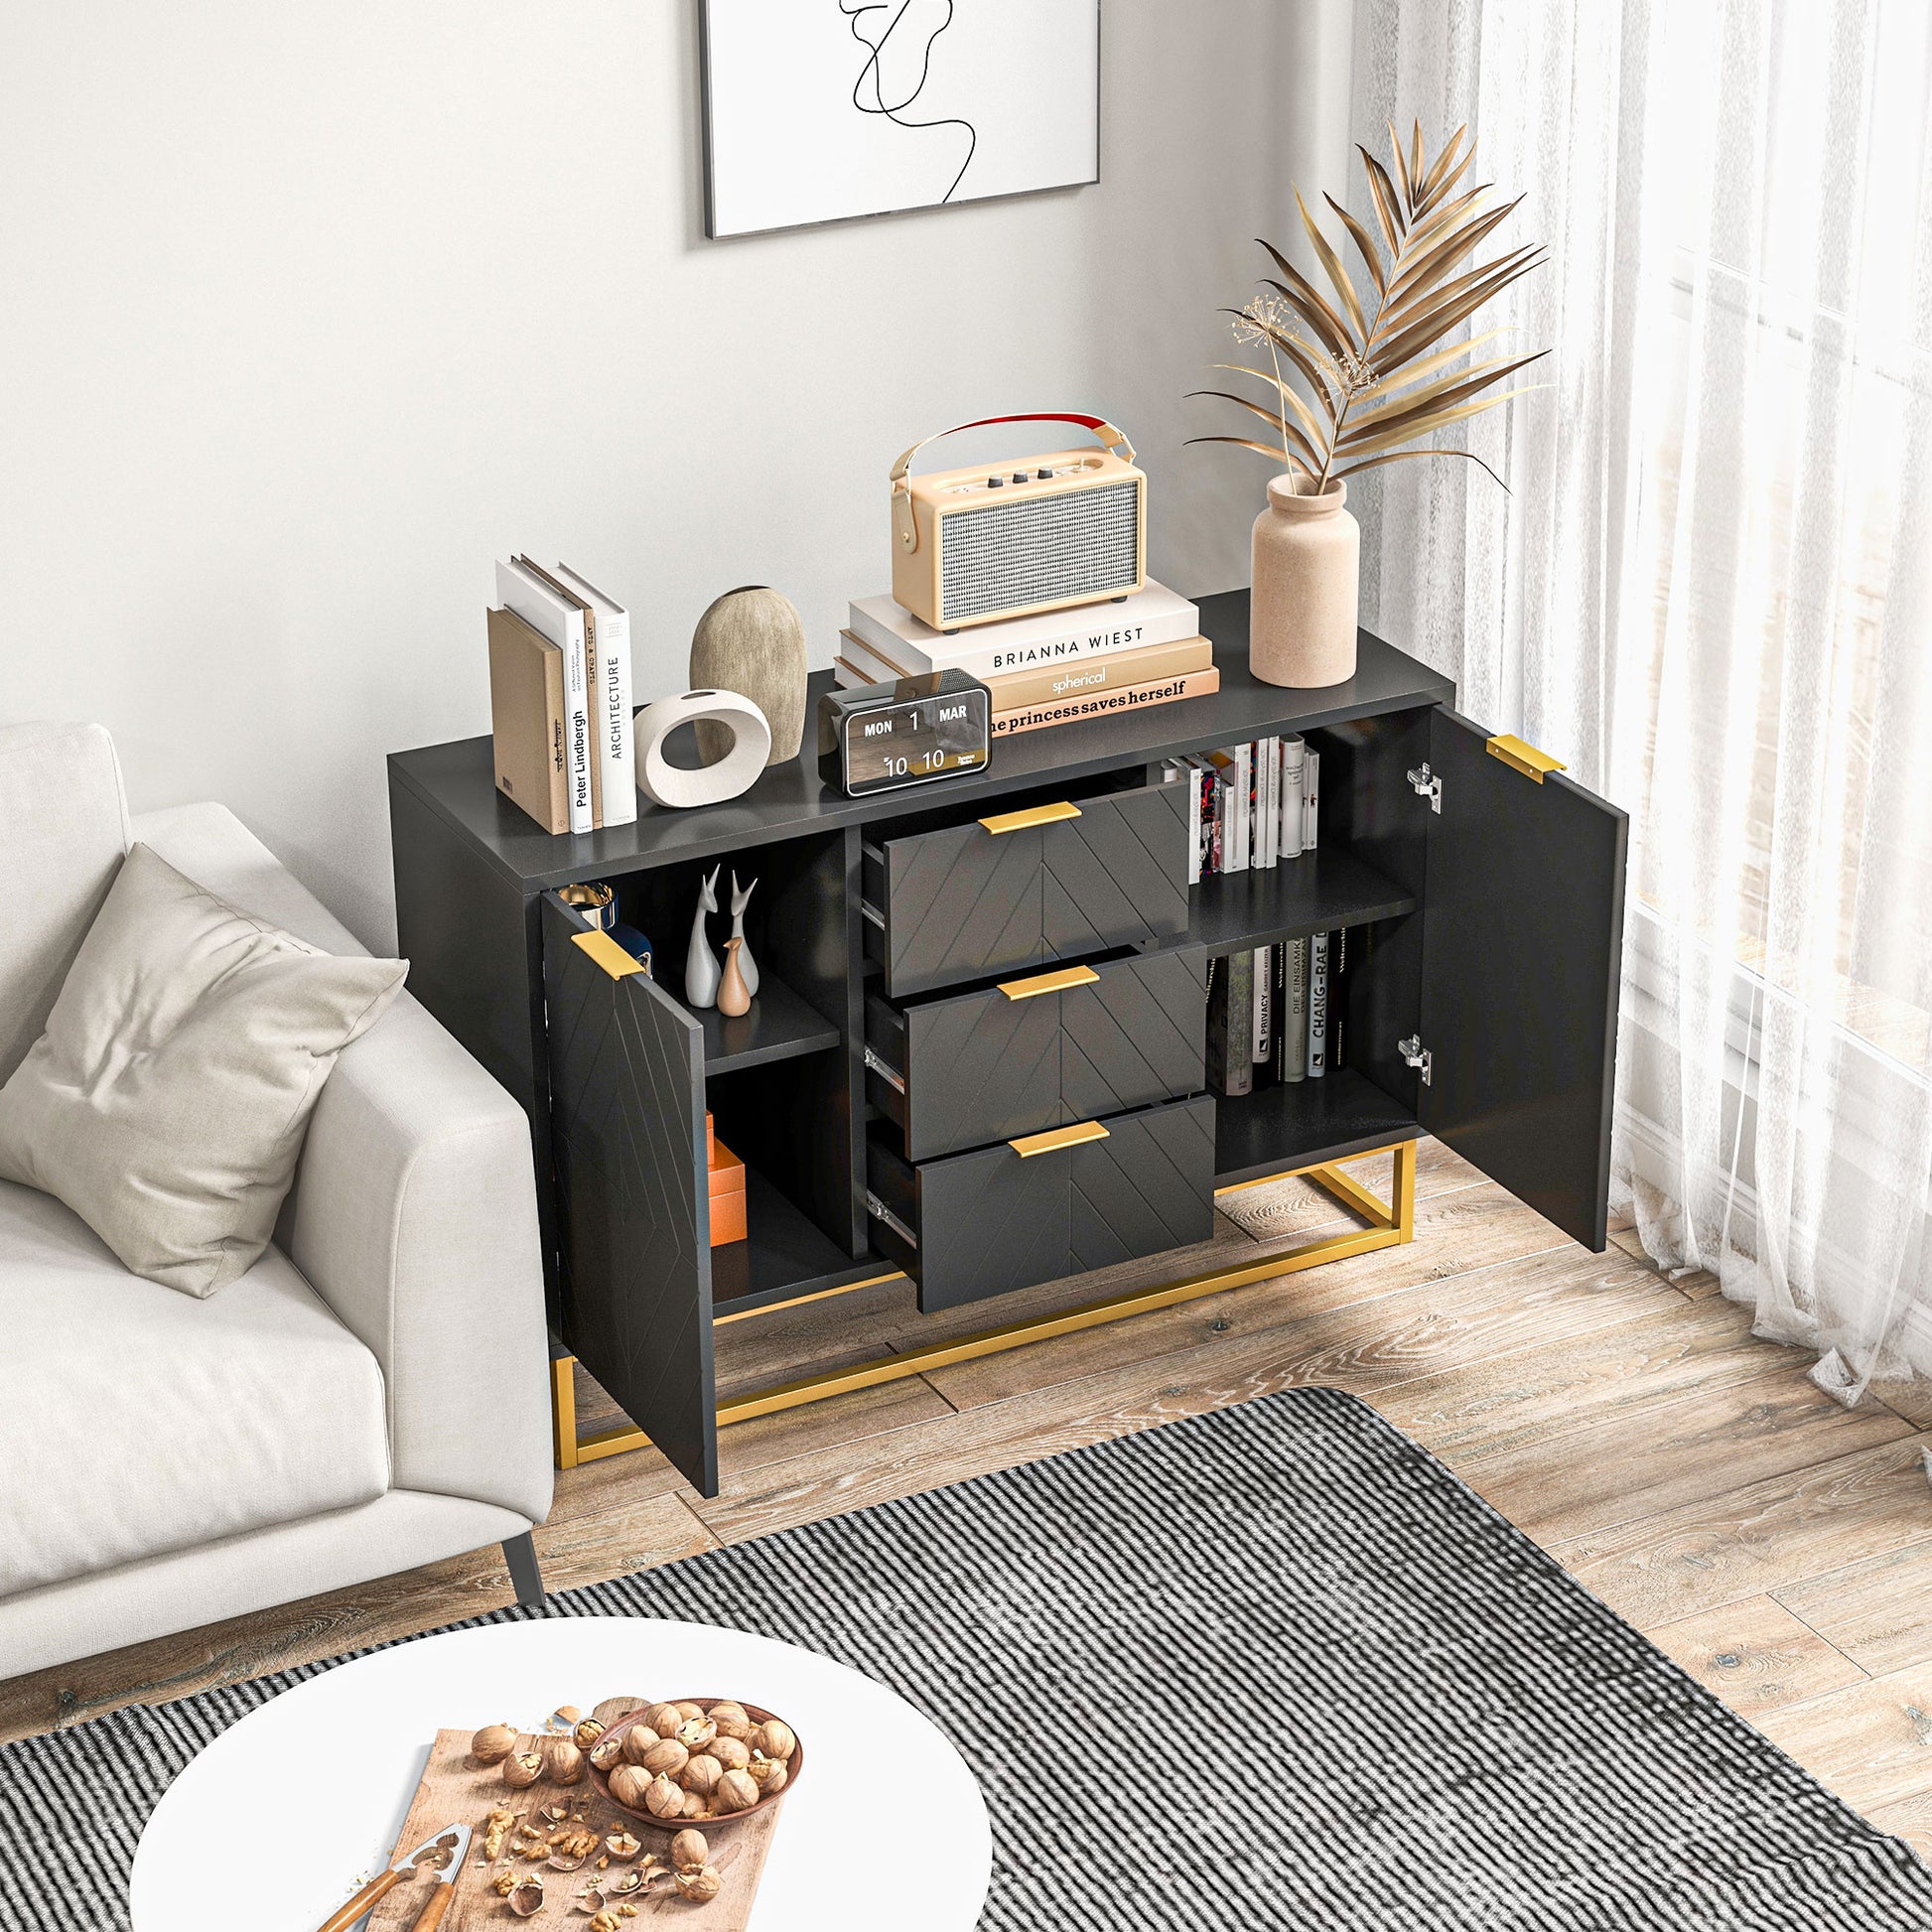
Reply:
x=751, y=640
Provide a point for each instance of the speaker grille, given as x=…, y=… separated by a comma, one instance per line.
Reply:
x=1011, y=555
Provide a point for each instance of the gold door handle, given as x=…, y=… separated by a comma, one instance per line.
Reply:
x=1056, y=1138
x=1032, y=816
x=1048, y=982
x=608, y=953
x=1523, y=758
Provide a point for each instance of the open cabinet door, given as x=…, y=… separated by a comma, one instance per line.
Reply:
x=627, y=1144
x=1522, y=943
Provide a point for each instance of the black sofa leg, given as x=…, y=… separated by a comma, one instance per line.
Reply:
x=520, y=1552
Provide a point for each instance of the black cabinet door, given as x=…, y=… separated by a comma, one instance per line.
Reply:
x=1522, y=943
x=627, y=1147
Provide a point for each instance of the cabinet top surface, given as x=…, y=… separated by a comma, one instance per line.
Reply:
x=457, y=780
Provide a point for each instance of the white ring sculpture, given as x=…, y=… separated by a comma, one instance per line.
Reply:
x=664, y=784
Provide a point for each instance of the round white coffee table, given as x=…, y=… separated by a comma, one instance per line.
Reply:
x=318, y=1781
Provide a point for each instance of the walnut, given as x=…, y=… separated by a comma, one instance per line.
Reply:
x=664, y=1799
x=732, y=1753
x=563, y=1762
x=700, y=1884
x=504, y=1883
x=665, y=1758
x=775, y=1739
x=664, y=1719
x=521, y=1769
x=628, y=1784
x=587, y=1734
x=638, y=1740
x=493, y=1743
x=701, y=1774
x=620, y=1844
x=736, y=1791
x=689, y=1848
x=605, y=1922
x=697, y=1804
x=686, y=1709
x=607, y=1751
x=694, y=1733
x=732, y=1720
x=769, y=1775
x=497, y=1831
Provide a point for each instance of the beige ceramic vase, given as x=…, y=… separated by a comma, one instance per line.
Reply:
x=1308, y=556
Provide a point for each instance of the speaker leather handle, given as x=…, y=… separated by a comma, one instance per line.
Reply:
x=1104, y=431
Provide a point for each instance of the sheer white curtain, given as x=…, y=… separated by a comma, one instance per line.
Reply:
x=1710, y=591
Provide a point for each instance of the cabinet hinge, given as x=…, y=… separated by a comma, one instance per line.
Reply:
x=1414, y=1052
x=877, y=1209
x=1426, y=783
x=885, y=1069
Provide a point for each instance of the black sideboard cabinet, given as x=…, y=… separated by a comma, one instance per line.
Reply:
x=977, y=1049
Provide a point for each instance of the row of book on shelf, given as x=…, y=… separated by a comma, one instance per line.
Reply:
x=1276, y=1013
x=1250, y=805
x=1057, y=668
x=560, y=689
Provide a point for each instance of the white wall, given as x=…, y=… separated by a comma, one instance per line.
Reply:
x=307, y=309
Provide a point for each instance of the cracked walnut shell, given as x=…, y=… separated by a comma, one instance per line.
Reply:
x=700, y=1884
x=521, y=1769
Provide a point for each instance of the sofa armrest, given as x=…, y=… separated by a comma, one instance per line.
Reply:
x=413, y=1212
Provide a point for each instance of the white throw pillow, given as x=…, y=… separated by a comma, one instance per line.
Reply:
x=168, y=1099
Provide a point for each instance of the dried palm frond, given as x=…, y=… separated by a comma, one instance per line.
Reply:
x=1375, y=376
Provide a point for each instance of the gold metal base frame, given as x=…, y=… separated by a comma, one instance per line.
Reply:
x=1388, y=1223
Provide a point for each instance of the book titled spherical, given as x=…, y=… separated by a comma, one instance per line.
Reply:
x=665, y=783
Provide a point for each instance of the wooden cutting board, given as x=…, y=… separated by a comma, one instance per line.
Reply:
x=455, y=1791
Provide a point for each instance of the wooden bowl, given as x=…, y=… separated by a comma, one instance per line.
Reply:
x=670, y=1827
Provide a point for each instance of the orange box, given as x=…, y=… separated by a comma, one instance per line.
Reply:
x=726, y=1183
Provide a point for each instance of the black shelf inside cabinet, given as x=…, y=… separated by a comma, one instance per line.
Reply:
x=1304, y=1123
x=778, y=1026
x=1320, y=892
x=783, y=1257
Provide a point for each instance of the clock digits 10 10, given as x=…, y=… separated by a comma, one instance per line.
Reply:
x=881, y=737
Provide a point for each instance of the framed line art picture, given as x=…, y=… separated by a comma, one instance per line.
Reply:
x=823, y=110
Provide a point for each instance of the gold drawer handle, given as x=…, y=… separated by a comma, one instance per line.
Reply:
x=1033, y=815
x=608, y=953
x=1048, y=982
x=1057, y=1137
x=1523, y=758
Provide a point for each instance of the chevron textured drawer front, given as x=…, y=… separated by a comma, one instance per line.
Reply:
x=982, y=1066
x=966, y=904
x=993, y=1220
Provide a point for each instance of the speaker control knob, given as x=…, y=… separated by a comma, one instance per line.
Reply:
x=994, y=482
x=1020, y=476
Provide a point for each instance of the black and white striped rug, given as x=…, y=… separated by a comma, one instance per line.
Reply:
x=1391, y=1709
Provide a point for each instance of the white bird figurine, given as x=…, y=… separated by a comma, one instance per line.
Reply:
x=747, y=967
x=701, y=970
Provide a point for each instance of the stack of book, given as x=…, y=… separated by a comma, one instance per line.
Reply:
x=560, y=698
x=1054, y=669
x=1250, y=805
x=1274, y=1014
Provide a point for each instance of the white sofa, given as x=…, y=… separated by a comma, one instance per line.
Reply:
x=370, y=1397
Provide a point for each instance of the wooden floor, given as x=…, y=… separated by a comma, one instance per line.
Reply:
x=1778, y=1545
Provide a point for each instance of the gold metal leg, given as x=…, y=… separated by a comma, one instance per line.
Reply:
x=1389, y=1223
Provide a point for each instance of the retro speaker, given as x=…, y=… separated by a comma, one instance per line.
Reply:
x=973, y=546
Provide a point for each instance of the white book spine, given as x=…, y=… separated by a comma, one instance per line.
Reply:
x=1311, y=788
x=1269, y=795
x=563, y=624
x=1318, y=1005
x=1244, y=809
x=1292, y=753
x=613, y=698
